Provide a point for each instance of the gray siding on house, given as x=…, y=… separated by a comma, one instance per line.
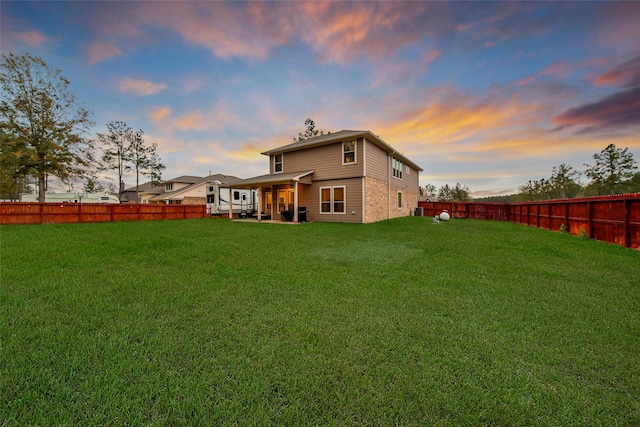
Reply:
x=377, y=162
x=326, y=162
x=353, y=208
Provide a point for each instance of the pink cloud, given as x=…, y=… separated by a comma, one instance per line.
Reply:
x=393, y=71
x=100, y=51
x=431, y=56
x=140, y=87
x=617, y=111
x=31, y=38
x=626, y=74
x=336, y=31
x=617, y=25
x=557, y=70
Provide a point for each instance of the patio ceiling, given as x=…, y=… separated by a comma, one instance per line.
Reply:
x=276, y=179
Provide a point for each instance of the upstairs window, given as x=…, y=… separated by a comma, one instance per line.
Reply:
x=397, y=168
x=168, y=187
x=277, y=163
x=348, y=152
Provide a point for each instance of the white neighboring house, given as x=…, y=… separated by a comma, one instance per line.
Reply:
x=184, y=189
x=72, y=198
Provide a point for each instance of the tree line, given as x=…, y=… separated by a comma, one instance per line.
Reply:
x=44, y=133
x=612, y=172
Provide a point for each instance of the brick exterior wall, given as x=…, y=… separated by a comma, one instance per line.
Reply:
x=377, y=200
x=409, y=202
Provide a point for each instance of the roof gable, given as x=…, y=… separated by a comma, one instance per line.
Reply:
x=331, y=138
x=317, y=140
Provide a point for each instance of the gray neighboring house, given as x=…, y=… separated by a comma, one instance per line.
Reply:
x=184, y=189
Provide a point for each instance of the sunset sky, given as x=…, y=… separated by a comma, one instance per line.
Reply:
x=487, y=94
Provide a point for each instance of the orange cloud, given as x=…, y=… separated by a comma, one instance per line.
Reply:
x=159, y=113
x=454, y=120
x=140, y=87
x=194, y=120
x=248, y=152
x=457, y=127
x=216, y=118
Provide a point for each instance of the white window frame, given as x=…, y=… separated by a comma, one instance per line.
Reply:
x=281, y=163
x=168, y=187
x=407, y=169
x=397, y=171
x=355, y=152
x=332, y=200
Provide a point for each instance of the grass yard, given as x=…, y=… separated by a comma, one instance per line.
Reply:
x=402, y=322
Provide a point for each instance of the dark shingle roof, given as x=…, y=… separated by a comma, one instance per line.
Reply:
x=316, y=140
x=333, y=137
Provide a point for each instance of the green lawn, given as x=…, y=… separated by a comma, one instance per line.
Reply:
x=402, y=322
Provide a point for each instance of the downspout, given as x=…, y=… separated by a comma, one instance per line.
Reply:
x=364, y=180
x=389, y=184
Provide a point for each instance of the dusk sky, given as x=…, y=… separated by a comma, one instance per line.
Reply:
x=487, y=94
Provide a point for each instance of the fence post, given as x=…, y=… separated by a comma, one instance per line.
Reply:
x=627, y=223
x=590, y=218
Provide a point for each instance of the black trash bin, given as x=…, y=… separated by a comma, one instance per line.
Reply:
x=302, y=214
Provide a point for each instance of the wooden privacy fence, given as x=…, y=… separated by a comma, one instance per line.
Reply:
x=613, y=219
x=42, y=213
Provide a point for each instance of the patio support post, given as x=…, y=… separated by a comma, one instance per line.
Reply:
x=230, y=203
x=274, y=201
x=259, y=204
x=295, y=201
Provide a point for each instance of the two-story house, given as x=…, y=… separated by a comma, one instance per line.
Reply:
x=346, y=176
x=184, y=189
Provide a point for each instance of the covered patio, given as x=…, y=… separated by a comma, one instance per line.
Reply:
x=285, y=189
